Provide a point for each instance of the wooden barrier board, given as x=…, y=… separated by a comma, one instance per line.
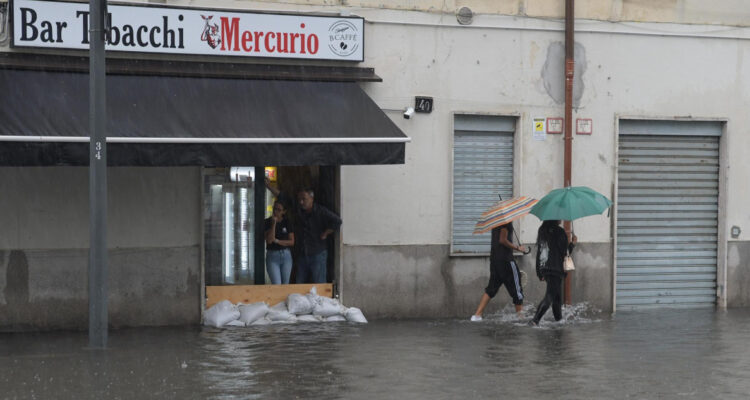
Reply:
x=271, y=294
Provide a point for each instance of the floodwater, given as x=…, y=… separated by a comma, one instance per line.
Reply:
x=665, y=354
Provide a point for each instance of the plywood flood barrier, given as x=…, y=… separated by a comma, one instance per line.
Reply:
x=271, y=294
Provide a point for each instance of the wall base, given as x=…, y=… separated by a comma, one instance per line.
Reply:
x=422, y=281
x=47, y=289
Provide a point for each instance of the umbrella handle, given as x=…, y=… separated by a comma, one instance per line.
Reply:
x=528, y=249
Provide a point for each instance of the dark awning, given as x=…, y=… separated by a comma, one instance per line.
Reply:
x=168, y=120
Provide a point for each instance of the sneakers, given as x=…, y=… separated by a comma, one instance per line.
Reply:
x=533, y=323
x=476, y=318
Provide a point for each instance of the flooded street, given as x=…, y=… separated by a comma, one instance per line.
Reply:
x=667, y=354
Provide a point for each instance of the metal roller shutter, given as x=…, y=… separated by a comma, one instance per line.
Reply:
x=482, y=169
x=667, y=207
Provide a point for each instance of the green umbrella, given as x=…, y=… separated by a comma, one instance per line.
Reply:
x=570, y=203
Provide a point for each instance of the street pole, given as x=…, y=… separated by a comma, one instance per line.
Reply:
x=97, y=179
x=568, y=139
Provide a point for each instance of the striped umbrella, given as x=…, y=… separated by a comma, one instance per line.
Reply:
x=503, y=212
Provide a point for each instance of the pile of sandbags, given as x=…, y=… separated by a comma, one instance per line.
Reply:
x=297, y=308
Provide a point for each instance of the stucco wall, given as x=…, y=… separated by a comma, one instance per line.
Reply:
x=506, y=63
x=728, y=12
x=514, y=68
x=501, y=71
x=423, y=281
x=738, y=274
x=153, y=239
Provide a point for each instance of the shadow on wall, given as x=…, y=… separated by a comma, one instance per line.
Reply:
x=16, y=292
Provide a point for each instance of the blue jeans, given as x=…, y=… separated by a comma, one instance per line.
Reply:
x=279, y=265
x=312, y=269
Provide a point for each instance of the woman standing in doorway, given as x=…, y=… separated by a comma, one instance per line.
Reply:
x=551, y=248
x=279, y=241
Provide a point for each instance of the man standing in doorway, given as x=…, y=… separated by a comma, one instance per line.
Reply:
x=313, y=224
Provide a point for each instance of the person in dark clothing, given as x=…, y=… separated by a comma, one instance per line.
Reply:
x=279, y=241
x=551, y=248
x=503, y=270
x=313, y=224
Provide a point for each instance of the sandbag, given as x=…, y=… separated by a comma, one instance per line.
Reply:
x=313, y=297
x=327, y=307
x=354, y=314
x=261, y=321
x=279, y=307
x=336, y=318
x=236, y=322
x=299, y=304
x=251, y=312
x=308, y=318
x=280, y=315
x=220, y=314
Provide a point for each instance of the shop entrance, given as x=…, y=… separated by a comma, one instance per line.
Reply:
x=232, y=238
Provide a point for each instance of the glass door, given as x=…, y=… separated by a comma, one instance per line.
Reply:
x=229, y=221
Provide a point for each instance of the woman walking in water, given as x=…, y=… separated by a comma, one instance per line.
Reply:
x=551, y=248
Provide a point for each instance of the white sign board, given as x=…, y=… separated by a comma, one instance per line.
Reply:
x=539, y=131
x=584, y=126
x=171, y=30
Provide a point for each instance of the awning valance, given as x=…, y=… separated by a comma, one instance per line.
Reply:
x=168, y=120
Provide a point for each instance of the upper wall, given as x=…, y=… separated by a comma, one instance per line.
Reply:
x=727, y=12
x=509, y=69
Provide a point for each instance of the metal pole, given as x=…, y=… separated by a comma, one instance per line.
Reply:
x=259, y=191
x=97, y=179
x=568, y=139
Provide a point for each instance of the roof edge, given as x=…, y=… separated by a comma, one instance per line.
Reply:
x=202, y=69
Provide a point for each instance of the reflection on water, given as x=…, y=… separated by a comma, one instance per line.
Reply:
x=672, y=354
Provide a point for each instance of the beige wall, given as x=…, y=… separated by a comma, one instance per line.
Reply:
x=725, y=12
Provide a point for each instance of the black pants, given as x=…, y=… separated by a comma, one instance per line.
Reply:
x=505, y=272
x=553, y=296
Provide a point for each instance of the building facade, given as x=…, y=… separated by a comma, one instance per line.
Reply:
x=660, y=105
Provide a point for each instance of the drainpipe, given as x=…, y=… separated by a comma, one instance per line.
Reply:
x=568, y=139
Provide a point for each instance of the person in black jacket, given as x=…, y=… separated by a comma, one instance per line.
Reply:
x=503, y=270
x=313, y=225
x=551, y=248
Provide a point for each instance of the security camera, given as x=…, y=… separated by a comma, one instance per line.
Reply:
x=409, y=112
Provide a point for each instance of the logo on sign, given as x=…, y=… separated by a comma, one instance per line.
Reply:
x=343, y=38
x=210, y=32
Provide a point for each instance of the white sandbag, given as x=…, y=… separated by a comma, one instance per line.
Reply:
x=328, y=307
x=354, y=314
x=336, y=318
x=220, y=314
x=313, y=297
x=261, y=321
x=287, y=322
x=251, y=312
x=308, y=318
x=279, y=307
x=299, y=304
x=236, y=322
x=277, y=315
